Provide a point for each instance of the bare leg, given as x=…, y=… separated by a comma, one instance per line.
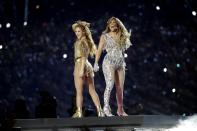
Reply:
x=119, y=82
x=79, y=93
x=94, y=96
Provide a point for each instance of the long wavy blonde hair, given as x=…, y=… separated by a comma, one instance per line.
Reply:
x=85, y=27
x=122, y=31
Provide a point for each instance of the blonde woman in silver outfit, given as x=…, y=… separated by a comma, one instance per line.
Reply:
x=115, y=40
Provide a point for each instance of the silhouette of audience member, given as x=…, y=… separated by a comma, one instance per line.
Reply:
x=73, y=108
x=7, y=117
x=136, y=109
x=2, y=112
x=47, y=106
x=20, y=109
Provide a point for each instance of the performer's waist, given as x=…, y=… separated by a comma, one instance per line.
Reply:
x=114, y=57
x=78, y=59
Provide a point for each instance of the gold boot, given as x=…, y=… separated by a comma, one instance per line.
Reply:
x=78, y=113
x=100, y=112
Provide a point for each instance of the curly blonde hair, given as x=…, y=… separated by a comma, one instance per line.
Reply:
x=85, y=27
x=123, y=32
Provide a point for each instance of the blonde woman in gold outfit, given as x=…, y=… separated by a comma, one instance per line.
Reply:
x=83, y=71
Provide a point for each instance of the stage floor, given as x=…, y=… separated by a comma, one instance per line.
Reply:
x=130, y=123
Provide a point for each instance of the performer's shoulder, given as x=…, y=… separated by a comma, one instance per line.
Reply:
x=103, y=35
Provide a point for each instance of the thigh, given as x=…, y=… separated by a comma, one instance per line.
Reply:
x=90, y=81
x=109, y=72
x=120, y=77
x=79, y=81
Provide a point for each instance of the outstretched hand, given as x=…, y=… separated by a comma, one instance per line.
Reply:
x=96, y=67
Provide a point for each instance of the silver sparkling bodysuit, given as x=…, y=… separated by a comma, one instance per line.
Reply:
x=113, y=60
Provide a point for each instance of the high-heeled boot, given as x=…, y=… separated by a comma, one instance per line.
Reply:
x=78, y=113
x=107, y=111
x=100, y=112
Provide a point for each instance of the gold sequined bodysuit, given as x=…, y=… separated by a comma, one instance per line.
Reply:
x=81, y=50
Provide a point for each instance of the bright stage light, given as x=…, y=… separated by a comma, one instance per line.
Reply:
x=194, y=13
x=25, y=23
x=173, y=90
x=178, y=65
x=165, y=69
x=157, y=8
x=1, y=47
x=65, y=56
x=37, y=6
x=8, y=25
